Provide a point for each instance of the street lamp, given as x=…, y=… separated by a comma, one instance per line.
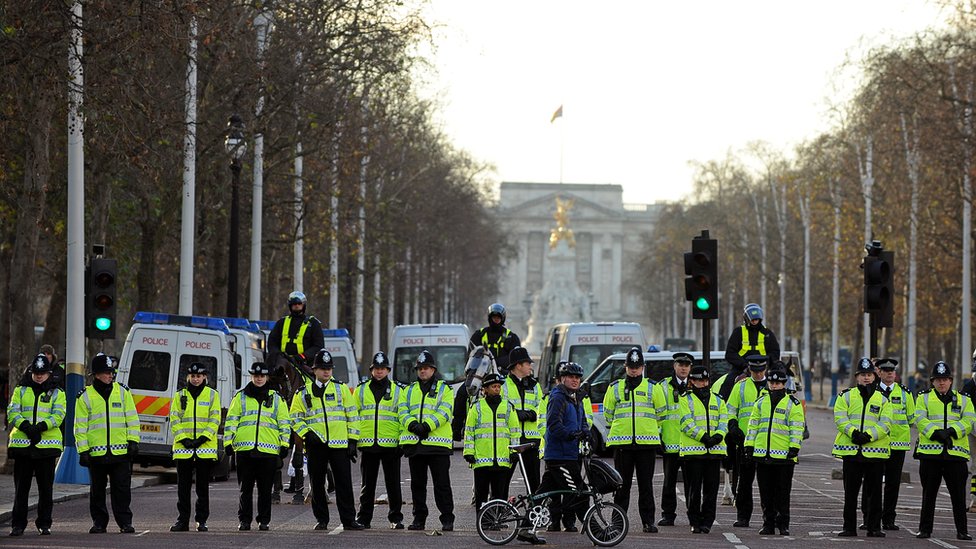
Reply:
x=236, y=145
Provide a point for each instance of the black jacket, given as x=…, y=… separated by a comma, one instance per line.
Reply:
x=313, y=341
x=738, y=363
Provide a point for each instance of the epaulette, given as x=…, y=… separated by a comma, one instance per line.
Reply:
x=339, y=381
x=844, y=391
x=903, y=388
x=795, y=400
x=124, y=387
x=300, y=389
x=925, y=391
x=400, y=384
x=81, y=392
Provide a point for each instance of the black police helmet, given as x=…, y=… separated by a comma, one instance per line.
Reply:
x=519, y=355
x=196, y=368
x=425, y=359
x=380, y=361
x=570, y=369
x=864, y=366
x=40, y=365
x=491, y=379
x=259, y=368
x=777, y=374
x=496, y=309
x=698, y=371
x=102, y=363
x=323, y=359
x=635, y=357
x=941, y=370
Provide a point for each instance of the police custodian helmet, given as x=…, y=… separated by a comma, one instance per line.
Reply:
x=425, y=359
x=864, y=366
x=941, y=370
x=380, y=361
x=259, y=369
x=635, y=358
x=196, y=368
x=40, y=365
x=323, y=359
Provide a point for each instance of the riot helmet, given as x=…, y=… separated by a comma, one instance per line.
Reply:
x=751, y=312
x=496, y=309
x=296, y=298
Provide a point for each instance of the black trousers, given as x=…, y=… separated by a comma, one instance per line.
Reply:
x=25, y=469
x=564, y=475
x=369, y=467
x=931, y=472
x=440, y=474
x=531, y=460
x=868, y=474
x=775, y=485
x=701, y=478
x=627, y=461
x=120, y=474
x=490, y=479
x=744, y=477
x=251, y=470
x=185, y=469
x=669, y=496
x=320, y=458
x=892, y=484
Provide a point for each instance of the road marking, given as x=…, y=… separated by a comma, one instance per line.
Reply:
x=337, y=530
x=943, y=543
x=732, y=537
x=741, y=547
x=142, y=533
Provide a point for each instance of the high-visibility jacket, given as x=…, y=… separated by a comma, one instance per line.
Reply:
x=771, y=433
x=528, y=400
x=748, y=348
x=257, y=425
x=717, y=387
x=902, y=404
x=47, y=407
x=299, y=340
x=378, y=422
x=200, y=417
x=630, y=415
x=698, y=421
x=488, y=433
x=872, y=417
x=105, y=427
x=666, y=397
x=743, y=396
x=333, y=416
x=932, y=414
x=434, y=408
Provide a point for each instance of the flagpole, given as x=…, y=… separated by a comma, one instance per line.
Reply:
x=562, y=143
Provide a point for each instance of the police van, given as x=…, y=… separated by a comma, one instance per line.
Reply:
x=447, y=342
x=587, y=344
x=157, y=352
x=339, y=344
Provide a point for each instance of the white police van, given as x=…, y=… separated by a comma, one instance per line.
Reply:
x=340, y=346
x=587, y=344
x=157, y=352
x=447, y=342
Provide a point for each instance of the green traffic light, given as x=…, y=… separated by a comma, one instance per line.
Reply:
x=702, y=304
x=102, y=323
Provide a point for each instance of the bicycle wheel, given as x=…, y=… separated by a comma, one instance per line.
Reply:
x=497, y=521
x=606, y=524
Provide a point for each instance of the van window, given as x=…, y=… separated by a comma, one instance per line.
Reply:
x=341, y=370
x=450, y=363
x=590, y=356
x=602, y=379
x=208, y=361
x=149, y=371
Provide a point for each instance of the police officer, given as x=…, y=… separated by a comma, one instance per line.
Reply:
x=324, y=414
x=704, y=424
x=379, y=439
x=944, y=419
x=35, y=412
x=902, y=405
x=969, y=389
x=107, y=438
x=752, y=337
x=666, y=396
x=425, y=415
x=634, y=435
x=257, y=430
x=741, y=400
x=522, y=391
x=496, y=337
x=491, y=427
x=773, y=438
x=194, y=419
x=863, y=419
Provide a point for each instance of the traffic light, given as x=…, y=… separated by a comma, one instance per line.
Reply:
x=879, y=289
x=100, y=298
x=701, y=286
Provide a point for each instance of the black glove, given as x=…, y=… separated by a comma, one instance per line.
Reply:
x=187, y=443
x=351, y=450
x=716, y=439
x=25, y=427
x=942, y=436
x=200, y=441
x=229, y=450
x=132, y=448
x=84, y=459
x=793, y=453
x=707, y=440
x=860, y=437
x=415, y=428
x=469, y=458
x=735, y=433
x=399, y=452
x=424, y=430
x=34, y=435
x=747, y=452
x=311, y=439
x=526, y=415
x=283, y=452
x=41, y=427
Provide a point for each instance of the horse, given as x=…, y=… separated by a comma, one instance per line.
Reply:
x=480, y=363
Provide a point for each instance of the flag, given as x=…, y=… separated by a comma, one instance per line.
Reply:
x=557, y=114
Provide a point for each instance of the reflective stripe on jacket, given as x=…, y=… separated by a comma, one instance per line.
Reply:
x=666, y=398
x=488, y=433
x=760, y=346
x=435, y=409
x=873, y=417
x=743, y=396
x=933, y=414
x=771, y=433
x=697, y=422
x=333, y=416
x=902, y=405
x=378, y=422
x=251, y=424
x=200, y=418
x=106, y=427
x=531, y=400
x=630, y=415
x=47, y=407
x=299, y=340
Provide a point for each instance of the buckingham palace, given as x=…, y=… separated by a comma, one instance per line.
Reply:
x=576, y=245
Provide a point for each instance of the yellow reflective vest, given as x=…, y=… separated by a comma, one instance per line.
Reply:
x=530, y=400
x=747, y=347
x=379, y=422
x=106, y=427
x=257, y=425
x=199, y=418
x=44, y=407
x=299, y=340
x=902, y=404
x=666, y=397
x=771, y=433
x=434, y=408
x=333, y=416
x=851, y=412
x=743, y=396
x=488, y=433
x=933, y=414
x=698, y=421
x=631, y=415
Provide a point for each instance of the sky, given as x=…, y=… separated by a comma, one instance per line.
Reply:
x=647, y=86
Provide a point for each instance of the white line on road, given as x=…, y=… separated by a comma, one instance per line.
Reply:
x=336, y=531
x=142, y=533
x=741, y=547
x=943, y=543
x=732, y=537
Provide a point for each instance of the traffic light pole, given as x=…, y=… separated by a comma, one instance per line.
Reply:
x=707, y=344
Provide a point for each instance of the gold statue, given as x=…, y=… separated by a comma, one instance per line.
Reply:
x=562, y=230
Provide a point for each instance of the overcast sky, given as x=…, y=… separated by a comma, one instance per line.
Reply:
x=646, y=86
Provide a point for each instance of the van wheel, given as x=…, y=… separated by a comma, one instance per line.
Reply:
x=222, y=471
x=599, y=446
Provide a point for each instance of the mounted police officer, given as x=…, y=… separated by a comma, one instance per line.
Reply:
x=496, y=337
x=902, y=405
x=944, y=418
x=522, y=391
x=666, y=396
x=751, y=338
x=863, y=418
x=741, y=400
x=634, y=435
x=704, y=424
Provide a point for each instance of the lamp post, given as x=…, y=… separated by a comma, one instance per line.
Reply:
x=235, y=145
